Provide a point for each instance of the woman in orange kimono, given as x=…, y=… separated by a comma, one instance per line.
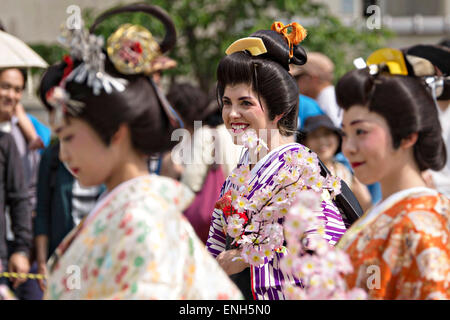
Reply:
x=400, y=248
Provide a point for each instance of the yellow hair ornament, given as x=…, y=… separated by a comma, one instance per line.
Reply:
x=252, y=44
x=393, y=58
x=296, y=36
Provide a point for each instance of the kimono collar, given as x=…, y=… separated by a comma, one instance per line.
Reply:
x=379, y=208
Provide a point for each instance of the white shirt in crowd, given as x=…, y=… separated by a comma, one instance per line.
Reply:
x=327, y=102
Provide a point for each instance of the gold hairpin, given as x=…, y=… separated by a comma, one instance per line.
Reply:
x=253, y=45
x=392, y=58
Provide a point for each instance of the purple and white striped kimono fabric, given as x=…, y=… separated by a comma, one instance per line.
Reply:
x=267, y=279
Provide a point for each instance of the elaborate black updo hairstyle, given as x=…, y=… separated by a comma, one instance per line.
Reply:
x=268, y=75
x=139, y=105
x=405, y=104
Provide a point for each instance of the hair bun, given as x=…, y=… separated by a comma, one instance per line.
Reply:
x=430, y=150
x=278, y=48
x=299, y=57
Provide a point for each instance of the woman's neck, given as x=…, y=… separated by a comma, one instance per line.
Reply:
x=274, y=141
x=406, y=177
x=135, y=167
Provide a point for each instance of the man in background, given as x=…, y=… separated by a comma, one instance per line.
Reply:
x=22, y=164
x=315, y=80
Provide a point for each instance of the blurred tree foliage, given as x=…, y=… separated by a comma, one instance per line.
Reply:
x=207, y=27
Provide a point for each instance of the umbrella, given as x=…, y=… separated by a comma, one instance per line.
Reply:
x=15, y=53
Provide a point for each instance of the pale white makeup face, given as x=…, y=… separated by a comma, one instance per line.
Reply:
x=84, y=153
x=367, y=144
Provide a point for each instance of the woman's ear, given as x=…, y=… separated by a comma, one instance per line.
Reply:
x=278, y=117
x=122, y=134
x=409, y=141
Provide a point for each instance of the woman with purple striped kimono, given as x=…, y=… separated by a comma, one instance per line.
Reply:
x=256, y=92
x=266, y=281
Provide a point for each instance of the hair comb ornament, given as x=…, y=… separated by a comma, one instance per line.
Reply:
x=253, y=45
x=396, y=63
x=132, y=48
x=87, y=48
x=391, y=58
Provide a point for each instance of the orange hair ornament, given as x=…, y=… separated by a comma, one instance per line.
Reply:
x=297, y=34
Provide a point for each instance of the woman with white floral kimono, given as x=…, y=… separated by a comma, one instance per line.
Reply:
x=110, y=117
x=257, y=94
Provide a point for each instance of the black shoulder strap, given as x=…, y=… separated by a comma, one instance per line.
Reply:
x=346, y=201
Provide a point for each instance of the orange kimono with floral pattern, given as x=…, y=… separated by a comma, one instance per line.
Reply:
x=400, y=249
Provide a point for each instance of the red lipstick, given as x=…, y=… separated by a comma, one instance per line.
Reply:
x=356, y=164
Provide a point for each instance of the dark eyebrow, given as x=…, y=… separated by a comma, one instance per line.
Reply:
x=246, y=98
x=354, y=122
x=59, y=129
x=240, y=98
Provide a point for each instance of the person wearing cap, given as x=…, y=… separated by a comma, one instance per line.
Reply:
x=307, y=107
x=324, y=138
x=315, y=80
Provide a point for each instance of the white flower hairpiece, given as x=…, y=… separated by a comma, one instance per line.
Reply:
x=59, y=98
x=89, y=49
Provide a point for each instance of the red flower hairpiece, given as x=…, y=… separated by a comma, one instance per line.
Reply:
x=69, y=66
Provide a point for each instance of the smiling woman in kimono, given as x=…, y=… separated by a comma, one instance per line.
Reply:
x=256, y=92
x=109, y=118
x=400, y=248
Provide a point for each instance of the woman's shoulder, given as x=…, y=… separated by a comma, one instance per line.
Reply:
x=148, y=192
x=428, y=213
x=148, y=200
x=279, y=152
x=292, y=146
x=426, y=200
x=159, y=188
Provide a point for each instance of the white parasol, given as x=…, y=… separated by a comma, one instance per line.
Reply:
x=15, y=53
